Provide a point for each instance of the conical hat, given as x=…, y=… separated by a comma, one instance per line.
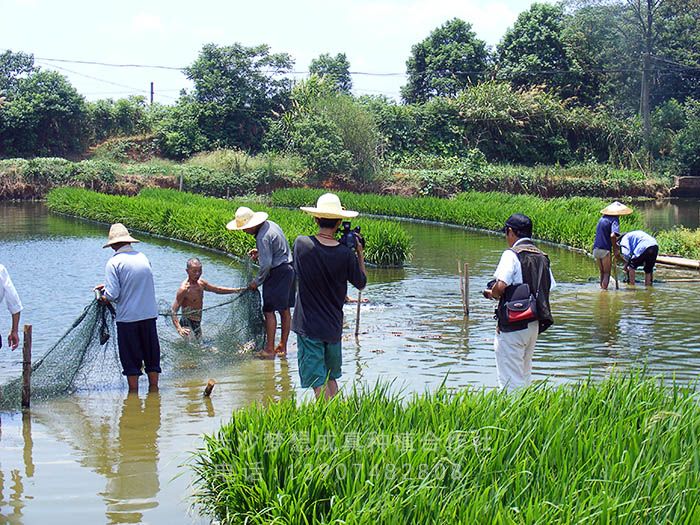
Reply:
x=616, y=208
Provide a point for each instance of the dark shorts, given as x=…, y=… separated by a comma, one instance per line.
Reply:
x=278, y=289
x=318, y=361
x=647, y=259
x=138, y=347
x=195, y=326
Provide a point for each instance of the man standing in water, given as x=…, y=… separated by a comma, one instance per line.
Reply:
x=14, y=306
x=607, y=233
x=190, y=297
x=639, y=249
x=522, y=262
x=324, y=267
x=129, y=285
x=276, y=274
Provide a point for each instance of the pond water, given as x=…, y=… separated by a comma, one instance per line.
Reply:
x=104, y=456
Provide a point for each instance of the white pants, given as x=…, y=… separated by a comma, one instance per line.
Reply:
x=514, y=356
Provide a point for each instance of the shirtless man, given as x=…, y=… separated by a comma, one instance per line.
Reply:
x=190, y=297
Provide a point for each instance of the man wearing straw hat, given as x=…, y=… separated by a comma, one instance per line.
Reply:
x=606, y=235
x=324, y=267
x=129, y=285
x=276, y=274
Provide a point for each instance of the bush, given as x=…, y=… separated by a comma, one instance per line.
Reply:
x=680, y=241
x=138, y=148
x=686, y=146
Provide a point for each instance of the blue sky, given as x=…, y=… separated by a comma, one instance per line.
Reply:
x=375, y=35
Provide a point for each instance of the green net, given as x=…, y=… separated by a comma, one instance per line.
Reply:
x=87, y=357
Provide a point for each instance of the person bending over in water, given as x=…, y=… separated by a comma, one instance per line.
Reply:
x=190, y=297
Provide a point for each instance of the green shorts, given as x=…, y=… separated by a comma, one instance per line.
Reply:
x=318, y=361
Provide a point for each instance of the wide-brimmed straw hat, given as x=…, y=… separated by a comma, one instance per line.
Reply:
x=246, y=218
x=118, y=233
x=616, y=208
x=328, y=207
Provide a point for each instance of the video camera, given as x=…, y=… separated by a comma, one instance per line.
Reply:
x=348, y=235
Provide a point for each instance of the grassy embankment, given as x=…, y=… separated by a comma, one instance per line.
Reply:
x=570, y=221
x=626, y=450
x=202, y=220
x=225, y=173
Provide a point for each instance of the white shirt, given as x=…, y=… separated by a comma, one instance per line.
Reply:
x=509, y=269
x=8, y=292
x=129, y=285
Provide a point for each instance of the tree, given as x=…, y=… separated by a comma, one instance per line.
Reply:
x=449, y=60
x=533, y=51
x=236, y=88
x=44, y=116
x=336, y=68
x=13, y=67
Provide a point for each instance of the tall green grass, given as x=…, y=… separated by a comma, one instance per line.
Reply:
x=202, y=220
x=569, y=221
x=680, y=241
x=626, y=450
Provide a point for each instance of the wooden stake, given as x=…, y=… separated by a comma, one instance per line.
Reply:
x=465, y=288
x=209, y=387
x=27, y=366
x=357, y=317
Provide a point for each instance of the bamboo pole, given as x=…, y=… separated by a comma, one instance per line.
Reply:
x=357, y=317
x=465, y=289
x=27, y=366
x=461, y=281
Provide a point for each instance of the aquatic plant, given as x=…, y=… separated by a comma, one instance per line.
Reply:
x=680, y=241
x=625, y=450
x=569, y=221
x=201, y=220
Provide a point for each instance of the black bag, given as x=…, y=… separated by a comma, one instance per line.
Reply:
x=519, y=305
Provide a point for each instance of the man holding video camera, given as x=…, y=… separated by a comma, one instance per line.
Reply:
x=324, y=266
x=521, y=284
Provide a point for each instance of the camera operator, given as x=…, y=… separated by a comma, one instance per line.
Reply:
x=324, y=267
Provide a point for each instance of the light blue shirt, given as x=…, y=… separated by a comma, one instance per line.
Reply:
x=634, y=243
x=129, y=285
x=273, y=249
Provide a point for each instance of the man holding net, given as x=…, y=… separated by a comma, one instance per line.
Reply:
x=129, y=285
x=276, y=274
x=190, y=297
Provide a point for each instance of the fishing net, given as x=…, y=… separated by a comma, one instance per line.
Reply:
x=87, y=357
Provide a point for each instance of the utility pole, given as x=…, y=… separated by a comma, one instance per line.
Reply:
x=151, y=93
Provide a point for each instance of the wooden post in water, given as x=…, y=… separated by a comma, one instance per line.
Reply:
x=357, y=317
x=181, y=181
x=209, y=387
x=27, y=366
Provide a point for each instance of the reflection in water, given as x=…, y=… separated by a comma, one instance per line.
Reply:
x=133, y=485
x=16, y=497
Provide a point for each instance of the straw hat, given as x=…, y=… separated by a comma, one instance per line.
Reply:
x=118, y=233
x=616, y=208
x=328, y=207
x=246, y=218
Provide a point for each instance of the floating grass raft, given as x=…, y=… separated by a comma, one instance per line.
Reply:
x=202, y=220
x=569, y=221
x=626, y=450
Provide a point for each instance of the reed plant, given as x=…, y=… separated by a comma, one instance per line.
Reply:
x=202, y=220
x=625, y=450
x=568, y=221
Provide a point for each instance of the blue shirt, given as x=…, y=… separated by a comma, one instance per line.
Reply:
x=129, y=285
x=634, y=243
x=607, y=225
x=273, y=249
